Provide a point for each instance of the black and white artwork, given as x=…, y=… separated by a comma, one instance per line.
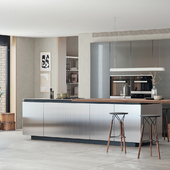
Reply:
x=45, y=61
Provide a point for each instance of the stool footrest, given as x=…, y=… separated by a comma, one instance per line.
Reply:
x=117, y=136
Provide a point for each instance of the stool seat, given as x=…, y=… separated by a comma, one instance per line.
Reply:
x=118, y=113
x=151, y=120
x=150, y=115
x=121, y=124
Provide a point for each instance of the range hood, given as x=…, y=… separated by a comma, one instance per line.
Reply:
x=137, y=69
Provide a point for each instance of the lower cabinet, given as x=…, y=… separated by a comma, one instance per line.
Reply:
x=77, y=121
x=32, y=118
x=100, y=121
x=54, y=119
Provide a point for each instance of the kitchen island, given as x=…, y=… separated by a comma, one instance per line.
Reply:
x=87, y=120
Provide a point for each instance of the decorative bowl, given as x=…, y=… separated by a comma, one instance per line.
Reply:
x=157, y=97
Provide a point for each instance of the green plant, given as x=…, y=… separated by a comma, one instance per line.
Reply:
x=1, y=93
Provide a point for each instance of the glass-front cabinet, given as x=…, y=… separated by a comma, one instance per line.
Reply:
x=72, y=76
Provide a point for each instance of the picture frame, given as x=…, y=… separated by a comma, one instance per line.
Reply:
x=45, y=61
x=45, y=82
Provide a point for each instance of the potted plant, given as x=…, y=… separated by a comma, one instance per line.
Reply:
x=1, y=93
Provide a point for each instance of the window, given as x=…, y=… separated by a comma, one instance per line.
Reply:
x=3, y=56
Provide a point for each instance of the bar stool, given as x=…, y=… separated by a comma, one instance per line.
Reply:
x=151, y=120
x=165, y=121
x=122, y=133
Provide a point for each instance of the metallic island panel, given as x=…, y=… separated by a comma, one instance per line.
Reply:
x=54, y=119
x=86, y=121
x=100, y=121
x=77, y=121
x=32, y=118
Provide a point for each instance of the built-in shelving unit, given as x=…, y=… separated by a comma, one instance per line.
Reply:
x=72, y=76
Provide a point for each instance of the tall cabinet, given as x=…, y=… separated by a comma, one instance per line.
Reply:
x=72, y=76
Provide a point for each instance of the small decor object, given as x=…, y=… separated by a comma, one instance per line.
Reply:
x=74, y=77
x=45, y=82
x=45, y=61
x=157, y=97
x=154, y=90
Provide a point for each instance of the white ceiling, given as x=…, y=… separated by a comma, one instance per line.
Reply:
x=56, y=18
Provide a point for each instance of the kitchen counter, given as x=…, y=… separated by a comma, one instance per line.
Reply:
x=101, y=100
x=134, y=100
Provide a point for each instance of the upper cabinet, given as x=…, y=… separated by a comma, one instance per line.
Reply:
x=141, y=53
x=120, y=54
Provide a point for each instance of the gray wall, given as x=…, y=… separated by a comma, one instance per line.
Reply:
x=25, y=73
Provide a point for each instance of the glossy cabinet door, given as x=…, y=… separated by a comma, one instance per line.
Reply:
x=100, y=121
x=77, y=121
x=32, y=118
x=54, y=119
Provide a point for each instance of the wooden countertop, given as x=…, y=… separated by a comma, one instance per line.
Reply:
x=101, y=100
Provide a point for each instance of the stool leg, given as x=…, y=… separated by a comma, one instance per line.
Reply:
x=157, y=143
x=121, y=135
x=140, y=140
x=167, y=127
x=124, y=137
x=110, y=132
x=150, y=139
x=164, y=126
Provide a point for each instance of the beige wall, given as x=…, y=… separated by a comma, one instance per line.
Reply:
x=72, y=46
x=45, y=45
x=25, y=73
x=61, y=65
x=84, y=55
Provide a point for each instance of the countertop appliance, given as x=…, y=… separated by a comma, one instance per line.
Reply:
x=137, y=86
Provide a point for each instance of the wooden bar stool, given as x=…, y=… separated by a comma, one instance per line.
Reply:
x=122, y=132
x=165, y=121
x=151, y=120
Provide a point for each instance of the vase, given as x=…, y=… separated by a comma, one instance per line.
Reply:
x=154, y=92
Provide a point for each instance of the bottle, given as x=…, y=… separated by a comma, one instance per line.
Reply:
x=50, y=93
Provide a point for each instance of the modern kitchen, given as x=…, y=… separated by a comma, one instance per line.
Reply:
x=96, y=100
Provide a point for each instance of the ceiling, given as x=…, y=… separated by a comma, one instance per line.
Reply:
x=57, y=18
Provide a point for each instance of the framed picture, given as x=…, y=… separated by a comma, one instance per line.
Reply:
x=45, y=61
x=45, y=82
